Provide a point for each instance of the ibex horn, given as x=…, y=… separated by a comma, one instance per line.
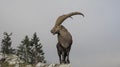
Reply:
x=63, y=17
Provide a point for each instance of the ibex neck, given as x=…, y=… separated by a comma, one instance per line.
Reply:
x=65, y=33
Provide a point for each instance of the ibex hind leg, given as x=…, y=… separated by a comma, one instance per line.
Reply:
x=68, y=61
x=68, y=51
x=64, y=55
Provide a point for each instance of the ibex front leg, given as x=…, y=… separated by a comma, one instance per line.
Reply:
x=64, y=55
x=59, y=50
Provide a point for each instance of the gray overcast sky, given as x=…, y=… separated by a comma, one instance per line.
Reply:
x=96, y=36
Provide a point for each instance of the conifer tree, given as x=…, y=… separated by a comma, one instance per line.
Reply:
x=6, y=44
x=30, y=51
x=37, y=51
x=23, y=49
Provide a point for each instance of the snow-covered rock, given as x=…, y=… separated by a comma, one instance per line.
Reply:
x=12, y=59
x=40, y=64
x=65, y=65
x=17, y=65
x=52, y=65
x=28, y=66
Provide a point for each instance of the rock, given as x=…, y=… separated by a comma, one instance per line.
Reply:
x=11, y=59
x=65, y=65
x=52, y=65
x=17, y=65
x=40, y=64
x=28, y=66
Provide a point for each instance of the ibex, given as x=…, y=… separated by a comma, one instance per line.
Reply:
x=64, y=37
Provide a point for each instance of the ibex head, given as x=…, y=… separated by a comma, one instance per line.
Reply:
x=60, y=20
x=56, y=29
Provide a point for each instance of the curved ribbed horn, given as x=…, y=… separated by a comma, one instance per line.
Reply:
x=63, y=17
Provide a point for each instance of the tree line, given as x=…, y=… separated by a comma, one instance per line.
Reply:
x=29, y=50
